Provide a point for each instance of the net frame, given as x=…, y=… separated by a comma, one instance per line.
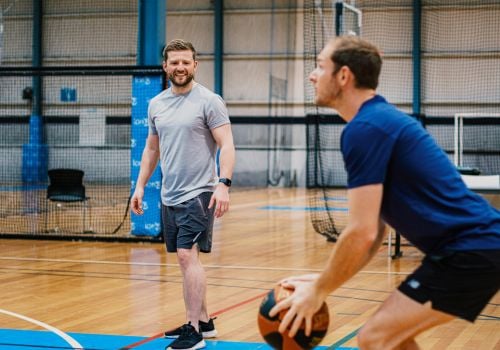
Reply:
x=337, y=18
x=458, y=133
x=341, y=8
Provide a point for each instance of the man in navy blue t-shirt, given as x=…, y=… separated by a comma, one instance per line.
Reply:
x=398, y=175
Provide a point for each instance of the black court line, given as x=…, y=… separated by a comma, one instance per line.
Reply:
x=37, y=273
x=180, y=282
x=59, y=272
x=81, y=274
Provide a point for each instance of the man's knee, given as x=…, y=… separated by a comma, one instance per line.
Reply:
x=186, y=256
x=372, y=337
x=366, y=338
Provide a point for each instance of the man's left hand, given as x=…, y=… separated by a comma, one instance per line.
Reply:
x=302, y=304
x=220, y=198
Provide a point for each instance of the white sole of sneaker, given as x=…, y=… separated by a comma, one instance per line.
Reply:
x=206, y=335
x=200, y=345
x=209, y=334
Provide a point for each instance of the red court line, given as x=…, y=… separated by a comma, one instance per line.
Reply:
x=144, y=341
x=216, y=313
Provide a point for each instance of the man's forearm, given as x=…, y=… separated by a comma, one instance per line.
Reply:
x=351, y=253
x=226, y=161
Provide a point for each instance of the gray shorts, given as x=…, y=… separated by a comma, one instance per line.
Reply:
x=189, y=223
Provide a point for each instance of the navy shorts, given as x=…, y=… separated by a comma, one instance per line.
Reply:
x=189, y=223
x=459, y=283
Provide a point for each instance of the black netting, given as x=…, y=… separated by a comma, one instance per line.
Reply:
x=458, y=60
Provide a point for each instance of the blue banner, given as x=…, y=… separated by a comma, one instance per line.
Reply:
x=35, y=154
x=143, y=90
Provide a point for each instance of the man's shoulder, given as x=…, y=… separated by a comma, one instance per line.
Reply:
x=382, y=114
x=162, y=95
x=385, y=120
x=206, y=93
x=380, y=107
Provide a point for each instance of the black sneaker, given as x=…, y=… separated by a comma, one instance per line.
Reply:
x=189, y=339
x=207, y=330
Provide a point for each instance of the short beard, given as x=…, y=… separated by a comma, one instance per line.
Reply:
x=334, y=97
x=189, y=78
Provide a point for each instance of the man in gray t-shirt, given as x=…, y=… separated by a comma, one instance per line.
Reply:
x=183, y=122
x=187, y=122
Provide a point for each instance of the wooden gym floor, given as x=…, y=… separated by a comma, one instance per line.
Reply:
x=95, y=295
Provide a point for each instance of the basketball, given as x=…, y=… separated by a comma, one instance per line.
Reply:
x=268, y=326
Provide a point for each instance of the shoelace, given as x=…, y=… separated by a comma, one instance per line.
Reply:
x=186, y=329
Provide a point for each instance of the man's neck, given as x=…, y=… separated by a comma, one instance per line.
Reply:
x=182, y=90
x=350, y=104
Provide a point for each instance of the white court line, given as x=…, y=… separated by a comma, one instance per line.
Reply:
x=60, y=333
x=231, y=267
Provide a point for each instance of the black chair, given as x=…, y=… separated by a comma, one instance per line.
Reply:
x=66, y=186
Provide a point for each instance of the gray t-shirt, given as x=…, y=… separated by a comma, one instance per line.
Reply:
x=187, y=147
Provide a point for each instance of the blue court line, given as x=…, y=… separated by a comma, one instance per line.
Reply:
x=282, y=207
x=14, y=339
x=336, y=346
x=337, y=199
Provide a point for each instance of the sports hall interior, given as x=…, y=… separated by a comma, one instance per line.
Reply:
x=76, y=77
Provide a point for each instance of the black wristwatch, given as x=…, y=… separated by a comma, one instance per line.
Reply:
x=225, y=181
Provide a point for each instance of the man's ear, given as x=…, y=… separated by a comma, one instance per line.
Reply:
x=344, y=74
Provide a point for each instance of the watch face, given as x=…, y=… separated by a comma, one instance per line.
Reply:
x=226, y=182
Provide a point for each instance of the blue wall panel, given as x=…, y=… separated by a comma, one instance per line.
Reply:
x=143, y=90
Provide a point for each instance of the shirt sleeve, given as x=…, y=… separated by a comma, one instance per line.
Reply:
x=151, y=125
x=367, y=151
x=216, y=113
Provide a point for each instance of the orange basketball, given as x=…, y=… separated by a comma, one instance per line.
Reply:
x=269, y=326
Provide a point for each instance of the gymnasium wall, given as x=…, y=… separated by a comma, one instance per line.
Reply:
x=262, y=39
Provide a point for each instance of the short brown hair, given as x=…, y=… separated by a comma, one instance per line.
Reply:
x=178, y=45
x=362, y=58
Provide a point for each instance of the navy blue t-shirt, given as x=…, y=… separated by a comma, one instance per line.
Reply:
x=424, y=197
